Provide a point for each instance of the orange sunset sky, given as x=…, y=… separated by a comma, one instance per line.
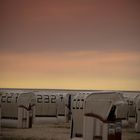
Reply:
x=71, y=44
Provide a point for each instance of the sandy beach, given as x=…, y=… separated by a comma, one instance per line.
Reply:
x=54, y=131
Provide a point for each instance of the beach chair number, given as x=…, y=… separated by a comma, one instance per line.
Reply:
x=46, y=99
x=7, y=98
x=78, y=104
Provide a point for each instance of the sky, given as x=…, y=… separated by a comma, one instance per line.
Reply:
x=70, y=44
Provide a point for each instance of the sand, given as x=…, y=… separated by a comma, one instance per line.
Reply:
x=53, y=132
